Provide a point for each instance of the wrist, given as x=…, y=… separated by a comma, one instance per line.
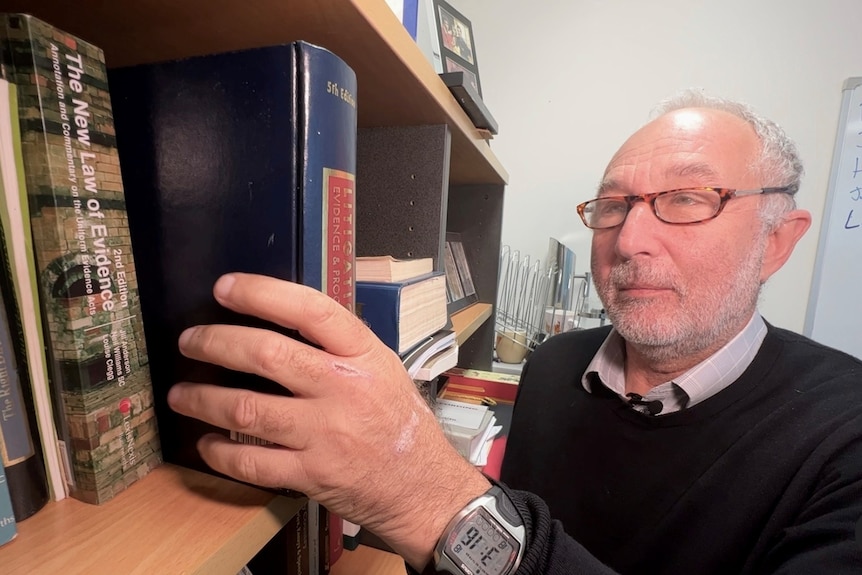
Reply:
x=432, y=512
x=488, y=535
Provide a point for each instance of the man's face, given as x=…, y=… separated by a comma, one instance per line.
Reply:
x=678, y=290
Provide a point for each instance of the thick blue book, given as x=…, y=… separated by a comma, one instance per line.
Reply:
x=402, y=314
x=240, y=161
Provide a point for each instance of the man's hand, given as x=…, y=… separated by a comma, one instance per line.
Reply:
x=356, y=436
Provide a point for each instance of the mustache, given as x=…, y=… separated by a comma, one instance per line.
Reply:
x=633, y=273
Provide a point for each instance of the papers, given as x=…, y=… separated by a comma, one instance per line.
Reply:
x=466, y=415
x=480, y=456
x=470, y=428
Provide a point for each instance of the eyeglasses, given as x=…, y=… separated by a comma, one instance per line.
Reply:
x=686, y=206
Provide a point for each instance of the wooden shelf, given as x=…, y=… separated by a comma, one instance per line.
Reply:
x=466, y=321
x=397, y=85
x=366, y=560
x=181, y=521
x=175, y=520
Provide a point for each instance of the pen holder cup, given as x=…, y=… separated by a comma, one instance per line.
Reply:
x=512, y=346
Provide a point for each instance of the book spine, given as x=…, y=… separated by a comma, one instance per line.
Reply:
x=378, y=305
x=313, y=535
x=324, y=543
x=411, y=17
x=97, y=357
x=500, y=387
x=303, y=548
x=286, y=553
x=328, y=108
x=20, y=444
x=8, y=525
x=19, y=439
x=256, y=156
x=335, y=533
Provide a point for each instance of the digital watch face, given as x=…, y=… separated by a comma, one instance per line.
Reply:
x=480, y=546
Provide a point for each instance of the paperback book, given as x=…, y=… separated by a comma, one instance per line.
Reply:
x=21, y=449
x=87, y=280
x=423, y=362
x=20, y=452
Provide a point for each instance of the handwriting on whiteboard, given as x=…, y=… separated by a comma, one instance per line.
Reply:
x=855, y=221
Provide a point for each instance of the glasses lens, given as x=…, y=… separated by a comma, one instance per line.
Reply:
x=687, y=206
x=605, y=212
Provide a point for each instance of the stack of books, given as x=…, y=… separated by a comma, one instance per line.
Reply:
x=404, y=304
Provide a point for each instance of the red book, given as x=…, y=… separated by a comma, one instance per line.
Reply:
x=336, y=540
x=477, y=384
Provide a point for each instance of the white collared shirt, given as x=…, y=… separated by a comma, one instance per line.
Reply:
x=695, y=385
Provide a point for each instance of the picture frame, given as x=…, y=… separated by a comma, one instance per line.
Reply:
x=459, y=281
x=457, y=44
x=470, y=101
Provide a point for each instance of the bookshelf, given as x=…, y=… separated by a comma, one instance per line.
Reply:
x=366, y=560
x=466, y=321
x=176, y=520
x=180, y=521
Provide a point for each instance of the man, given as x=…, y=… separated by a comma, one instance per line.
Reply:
x=692, y=438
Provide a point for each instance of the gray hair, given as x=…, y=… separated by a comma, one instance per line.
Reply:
x=779, y=163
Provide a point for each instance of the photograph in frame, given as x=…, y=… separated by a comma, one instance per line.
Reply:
x=463, y=269
x=457, y=46
x=453, y=279
x=459, y=279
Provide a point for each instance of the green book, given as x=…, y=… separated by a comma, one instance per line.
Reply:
x=87, y=285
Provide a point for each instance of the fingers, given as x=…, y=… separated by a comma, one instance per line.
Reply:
x=291, y=363
x=268, y=417
x=316, y=316
x=265, y=465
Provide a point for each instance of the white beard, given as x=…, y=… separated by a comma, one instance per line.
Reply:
x=702, y=320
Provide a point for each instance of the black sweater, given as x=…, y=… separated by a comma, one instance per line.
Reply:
x=763, y=477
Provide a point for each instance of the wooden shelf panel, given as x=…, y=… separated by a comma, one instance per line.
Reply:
x=175, y=520
x=466, y=321
x=397, y=85
x=366, y=560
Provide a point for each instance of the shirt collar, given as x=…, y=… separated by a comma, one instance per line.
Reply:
x=695, y=385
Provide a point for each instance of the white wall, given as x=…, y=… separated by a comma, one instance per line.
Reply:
x=569, y=80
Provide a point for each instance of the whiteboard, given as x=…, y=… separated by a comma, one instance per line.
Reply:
x=834, y=314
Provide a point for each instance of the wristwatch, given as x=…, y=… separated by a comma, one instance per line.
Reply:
x=487, y=537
